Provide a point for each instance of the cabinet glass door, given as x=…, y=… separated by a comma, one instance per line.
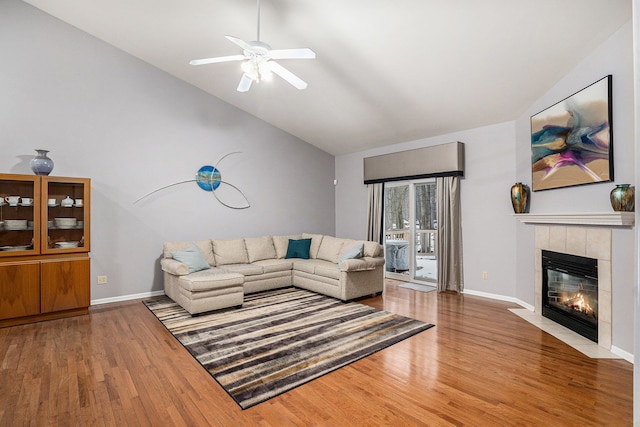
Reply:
x=19, y=222
x=65, y=214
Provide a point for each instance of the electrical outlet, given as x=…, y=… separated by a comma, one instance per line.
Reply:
x=485, y=275
x=102, y=280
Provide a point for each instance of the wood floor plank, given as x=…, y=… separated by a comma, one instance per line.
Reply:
x=480, y=365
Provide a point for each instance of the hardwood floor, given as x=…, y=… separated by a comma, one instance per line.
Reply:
x=480, y=365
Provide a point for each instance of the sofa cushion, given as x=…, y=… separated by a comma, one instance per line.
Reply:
x=213, y=278
x=259, y=248
x=244, y=269
x=372, y=249
x=204, y=246
x=316, y=239
x=281, y=243
x=298, y=248
x=192, y=257
x=353, y=252
x=330, y=249
x=327, y=269
x=231, y=251
x=174, y=267
x=361, y=264
x=306, y=265
x=273, y=265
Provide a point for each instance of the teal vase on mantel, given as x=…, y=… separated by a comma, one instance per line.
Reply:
x=623, y=198
x=520, y=197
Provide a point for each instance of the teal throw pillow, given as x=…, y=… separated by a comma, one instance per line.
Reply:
x=298, y=248
x=352, y=253
x=192, y=257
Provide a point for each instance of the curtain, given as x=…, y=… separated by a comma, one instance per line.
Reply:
x=374, y=216
x=449, y=250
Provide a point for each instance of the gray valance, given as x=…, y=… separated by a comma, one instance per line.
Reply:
x=435, y=161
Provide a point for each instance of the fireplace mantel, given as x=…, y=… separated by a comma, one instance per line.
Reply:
x=611, y=219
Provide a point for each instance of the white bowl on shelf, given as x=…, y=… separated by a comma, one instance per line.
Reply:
x=15, y=224
x=66, y=245
x=65, y=222
x=15, y=248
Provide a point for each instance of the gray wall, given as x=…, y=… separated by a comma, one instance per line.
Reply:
x=487, y=216
x=499, y=155
x=614, y=57
x=132, y=128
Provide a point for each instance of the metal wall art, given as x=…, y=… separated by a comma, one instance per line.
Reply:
x=209, y=179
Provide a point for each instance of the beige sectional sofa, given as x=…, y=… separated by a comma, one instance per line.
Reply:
x=211, y=274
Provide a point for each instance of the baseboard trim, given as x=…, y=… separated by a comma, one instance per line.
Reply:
x=500, y=298
x=624, y=354
x=126, y=297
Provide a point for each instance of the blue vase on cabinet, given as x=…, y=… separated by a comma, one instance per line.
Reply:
x=41, y=164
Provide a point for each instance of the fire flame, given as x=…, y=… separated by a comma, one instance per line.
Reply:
x=579, y=303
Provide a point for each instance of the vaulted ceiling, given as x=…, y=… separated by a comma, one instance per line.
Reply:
x=386, y=71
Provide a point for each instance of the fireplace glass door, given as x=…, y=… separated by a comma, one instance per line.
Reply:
x=570, y=292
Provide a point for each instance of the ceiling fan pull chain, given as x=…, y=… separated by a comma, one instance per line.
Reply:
x=258, y=39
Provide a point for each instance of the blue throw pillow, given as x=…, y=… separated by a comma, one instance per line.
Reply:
x=298, y=248
x=352, y=253
x=192, y=257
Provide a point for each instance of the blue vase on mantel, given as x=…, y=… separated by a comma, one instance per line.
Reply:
x=41, y=164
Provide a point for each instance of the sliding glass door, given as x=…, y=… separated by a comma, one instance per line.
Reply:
x=411, y=232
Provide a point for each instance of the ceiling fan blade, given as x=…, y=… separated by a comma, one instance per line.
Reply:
x=243, y=44
x=302, y=53
x=245, y=83
x=287, y=75
x=216, y=60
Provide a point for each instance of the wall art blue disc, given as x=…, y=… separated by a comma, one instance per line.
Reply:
x=208, y=178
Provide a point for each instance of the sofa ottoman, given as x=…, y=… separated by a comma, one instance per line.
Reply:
x=211, y=289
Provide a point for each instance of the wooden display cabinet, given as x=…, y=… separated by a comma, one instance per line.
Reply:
x=19, y=221
x=44, y=248
x=65, y=223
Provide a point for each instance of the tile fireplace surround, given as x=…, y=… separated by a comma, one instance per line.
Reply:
x=590, y=242
x=586, y=241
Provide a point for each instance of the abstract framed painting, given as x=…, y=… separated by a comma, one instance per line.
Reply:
x=572, y=141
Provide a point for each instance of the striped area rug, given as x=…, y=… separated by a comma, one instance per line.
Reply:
x=281, y=339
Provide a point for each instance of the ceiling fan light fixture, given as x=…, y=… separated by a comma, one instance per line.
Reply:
x=257, y=70
x=250, y=69
x=265, y=71
x=259, y=61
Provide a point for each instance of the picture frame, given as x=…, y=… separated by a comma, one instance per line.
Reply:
x=572, y=140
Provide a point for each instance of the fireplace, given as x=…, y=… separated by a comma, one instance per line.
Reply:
x=570, y=292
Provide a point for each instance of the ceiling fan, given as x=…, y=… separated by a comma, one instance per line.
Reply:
x=259, y=61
